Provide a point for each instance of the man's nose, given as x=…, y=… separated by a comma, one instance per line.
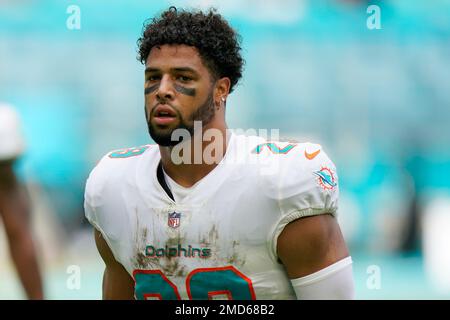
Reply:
x=165, y=89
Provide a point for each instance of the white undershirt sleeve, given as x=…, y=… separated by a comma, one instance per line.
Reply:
x=334, y=282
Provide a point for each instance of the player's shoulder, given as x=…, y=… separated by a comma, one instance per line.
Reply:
x=287, y=151
x=12, y=142
x=118, y=164
x=308, y=154
x=9, y=119
x=130, y=154
x=284, y=163
x=121, y=158
x=7, y=110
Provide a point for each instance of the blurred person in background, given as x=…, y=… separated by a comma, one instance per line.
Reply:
x=14, y=205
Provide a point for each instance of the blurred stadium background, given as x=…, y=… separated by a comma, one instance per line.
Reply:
x=377, y=100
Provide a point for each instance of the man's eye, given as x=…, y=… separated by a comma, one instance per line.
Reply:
x=152, y=78
x=184, y=78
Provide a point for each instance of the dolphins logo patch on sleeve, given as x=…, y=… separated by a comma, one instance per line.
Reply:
x=326, y=178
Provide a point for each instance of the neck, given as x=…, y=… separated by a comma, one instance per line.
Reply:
x=190, y=161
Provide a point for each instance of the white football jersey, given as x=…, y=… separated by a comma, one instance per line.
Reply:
x=12, y=142
x=220, y=240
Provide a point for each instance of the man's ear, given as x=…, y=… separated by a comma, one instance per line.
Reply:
x=222, y=90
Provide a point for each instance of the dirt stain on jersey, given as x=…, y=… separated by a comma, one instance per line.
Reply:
x=139, y=258
x=140, y=237
x=235, y=258
x=140, y=261
x=171, y=265
x=175, y=241
x=213, y=234
x=143, y=236
x=210, y=238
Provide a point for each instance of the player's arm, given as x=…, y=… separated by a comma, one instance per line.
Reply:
x=316, y=258
x=14, y=211
x=117, y=283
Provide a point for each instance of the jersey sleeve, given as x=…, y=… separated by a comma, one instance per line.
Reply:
x=98, y=206
x=92, y=195
x=104, y=181
x=12, y=142
x=109, y=183
x=307, y=186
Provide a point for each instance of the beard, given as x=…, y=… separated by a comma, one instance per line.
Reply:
x=163, y=137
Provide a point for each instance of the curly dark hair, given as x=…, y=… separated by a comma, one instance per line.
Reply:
x=218, y=44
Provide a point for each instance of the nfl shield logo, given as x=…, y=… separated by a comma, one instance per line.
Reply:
x=174, y=219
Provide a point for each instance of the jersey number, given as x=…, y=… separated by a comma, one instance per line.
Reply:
x=130, y=152
x=202, y=283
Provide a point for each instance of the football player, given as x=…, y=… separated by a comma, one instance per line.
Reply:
x=224, y=229
x=14, y=205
